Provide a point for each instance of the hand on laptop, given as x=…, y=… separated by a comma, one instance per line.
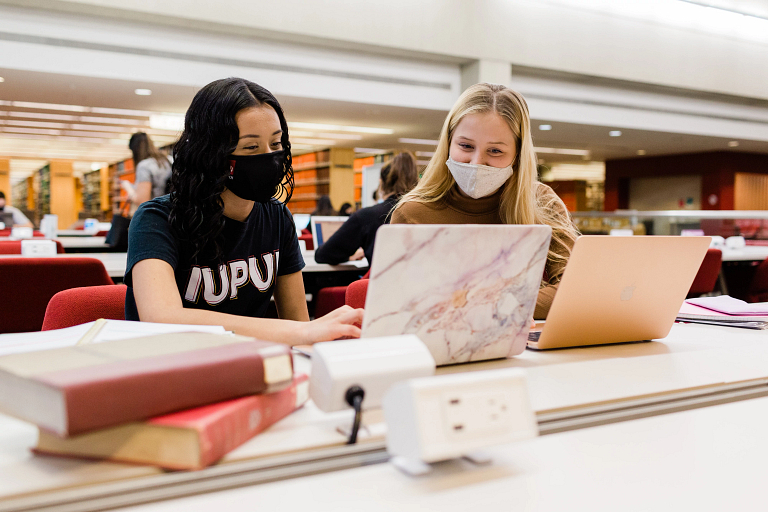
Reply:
x=340, y=323
x=358, y=255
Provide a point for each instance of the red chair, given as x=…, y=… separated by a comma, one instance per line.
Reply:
x=328, y=299
x=356, y=293
x=332, y=297
x=758, y=289
x=14, y=247
x=29, y=283
x=85, y=304
x=306, y=235
x=706, y=279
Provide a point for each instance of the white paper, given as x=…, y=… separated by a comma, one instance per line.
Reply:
x=113, y=330
x=730, y=306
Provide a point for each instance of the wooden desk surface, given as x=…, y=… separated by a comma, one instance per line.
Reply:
x=705, y=459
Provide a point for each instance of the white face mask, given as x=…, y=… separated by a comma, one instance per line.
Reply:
x=477, y=180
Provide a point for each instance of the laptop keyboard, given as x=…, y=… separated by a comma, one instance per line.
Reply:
x=534, y=335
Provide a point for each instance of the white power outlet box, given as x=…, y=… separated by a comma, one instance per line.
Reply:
x=22, y=232
x=38, y=248
x=450, y=416
x=374, y=364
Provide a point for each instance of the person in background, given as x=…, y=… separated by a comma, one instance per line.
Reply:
x=153, y=169
x=19, y=219
x=324, y=207
x=484, y=172
x=346, y=210
x=356, y=237
x=218, y=248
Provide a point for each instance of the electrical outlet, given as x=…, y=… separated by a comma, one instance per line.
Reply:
x=478, y=413
x=438, y=418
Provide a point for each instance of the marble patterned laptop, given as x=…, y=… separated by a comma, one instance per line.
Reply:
x=468, y=291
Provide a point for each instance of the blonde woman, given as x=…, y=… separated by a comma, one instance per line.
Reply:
x=484, y=172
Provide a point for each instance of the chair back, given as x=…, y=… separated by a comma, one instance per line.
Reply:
x=758, y=288
x=29, y=283
x=85, y=304
x=356, y=293
x=307, y=237
x=706, y=278
x=14, y=247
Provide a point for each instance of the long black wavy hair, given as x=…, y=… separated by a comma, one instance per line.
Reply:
x=201, y=164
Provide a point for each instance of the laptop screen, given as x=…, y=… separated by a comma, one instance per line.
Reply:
x=324, y=227
x=7, y=219
x=301, y=220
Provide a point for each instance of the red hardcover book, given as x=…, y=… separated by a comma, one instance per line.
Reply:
x=73, y=390
x=191, y=439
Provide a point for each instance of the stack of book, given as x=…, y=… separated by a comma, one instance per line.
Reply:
x=725, y=311
x=177, y=400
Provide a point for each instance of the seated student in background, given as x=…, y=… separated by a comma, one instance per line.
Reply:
x=324, y=207
x=484, y=172
x=346, y=210
x=217, y=249
x=359, y=231
x=19, y=219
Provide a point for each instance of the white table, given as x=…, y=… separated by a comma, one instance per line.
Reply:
x=705, y=459
x=748, y=253
x=115, y=262
x=564, y=385
x=83, y=242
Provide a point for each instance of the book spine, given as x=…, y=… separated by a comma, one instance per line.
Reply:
x=111, y=394
x=253, y=415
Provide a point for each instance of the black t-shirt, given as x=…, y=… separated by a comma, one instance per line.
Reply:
x=358, y=231
x=256, y=252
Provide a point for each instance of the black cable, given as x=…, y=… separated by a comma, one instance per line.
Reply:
x=354, y=397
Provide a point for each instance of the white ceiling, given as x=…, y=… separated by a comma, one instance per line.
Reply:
x=99, y=135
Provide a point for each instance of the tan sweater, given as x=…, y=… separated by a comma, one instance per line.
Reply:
x=454, y=208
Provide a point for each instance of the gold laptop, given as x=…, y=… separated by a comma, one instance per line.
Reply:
x=619, y=289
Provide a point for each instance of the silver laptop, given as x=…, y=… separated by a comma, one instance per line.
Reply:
x=620, y=289
x=467, y=291
x=324, y=227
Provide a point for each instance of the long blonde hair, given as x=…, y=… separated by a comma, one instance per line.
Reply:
x=520, y=203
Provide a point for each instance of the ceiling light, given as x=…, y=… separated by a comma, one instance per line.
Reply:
x=315, y=142
x=172, y=122
x=615, y=133
x=2, y=79
x=423, y=142
x=641, y=152
x=46, y=106
x=143, y=92
x=95, y=166
x=563, y=151
x=340, y=128
x=374, y=151
x=545, y=127
x=733, y=144
x=338, y=136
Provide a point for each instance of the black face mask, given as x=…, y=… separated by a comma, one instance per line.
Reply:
x=256, y=177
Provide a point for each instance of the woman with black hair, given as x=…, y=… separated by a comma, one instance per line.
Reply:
x=217, y=249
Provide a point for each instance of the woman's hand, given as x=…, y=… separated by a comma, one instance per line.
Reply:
x=339, y=323
x=358, y=255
